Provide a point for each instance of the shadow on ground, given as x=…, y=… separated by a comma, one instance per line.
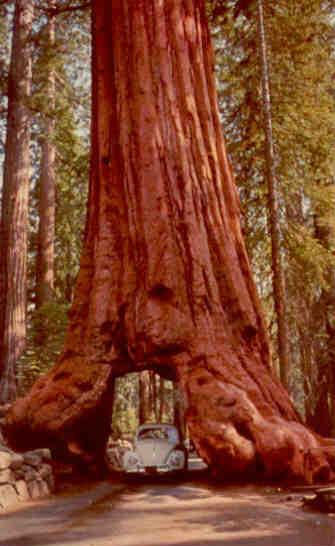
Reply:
x=167, y=511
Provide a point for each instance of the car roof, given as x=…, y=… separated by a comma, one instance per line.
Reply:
x=156, y=425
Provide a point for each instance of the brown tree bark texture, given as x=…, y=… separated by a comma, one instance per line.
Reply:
x=14, y=210
x=165, y=281
x=47, y=198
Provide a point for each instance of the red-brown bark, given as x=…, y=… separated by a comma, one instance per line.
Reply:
x=165, y=282
x=47, y=197
x=14, y=207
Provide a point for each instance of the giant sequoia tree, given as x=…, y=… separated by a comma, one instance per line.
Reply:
x=165, y=282
x=14, y=208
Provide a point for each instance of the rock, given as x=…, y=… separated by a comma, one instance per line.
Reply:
x=43, y=453
x=17, y=460
x=22, y=490
x=8, y=496
x=114, y=458
x=34, y=490
x=5, y=459
x=7, y=476
x=44, y=488
x=24, y=477
x=32, y=458
x=38, y=489
x=323, y=500
x=9, y=458
x=5, y=448
x=19, y=473
x=45, y=470
x=30, y=473
x=50, y=480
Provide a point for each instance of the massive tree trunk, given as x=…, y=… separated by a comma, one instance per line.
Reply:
x=47, y=200
x=14, y=213
x=165, y=282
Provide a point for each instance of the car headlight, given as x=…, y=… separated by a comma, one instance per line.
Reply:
x=176, y=459
x=131, y=460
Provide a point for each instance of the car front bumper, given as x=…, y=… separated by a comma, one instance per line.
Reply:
x=139, y=469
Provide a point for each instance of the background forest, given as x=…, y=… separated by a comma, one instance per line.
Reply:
x=298, y=51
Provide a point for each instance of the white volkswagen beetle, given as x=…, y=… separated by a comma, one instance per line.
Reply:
x=157, y=448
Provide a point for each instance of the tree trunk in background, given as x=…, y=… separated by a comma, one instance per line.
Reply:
x=153, y=396
x=47, y=199
x=162, y=401
x=165, y=282
x=331, y=367
x=144, y=398
x=274, y=217
x=307, y=361
x=14, y=214
x=304, y=315
x=317, y=380
x=322, y=419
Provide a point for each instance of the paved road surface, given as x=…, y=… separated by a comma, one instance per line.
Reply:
x=166, y=513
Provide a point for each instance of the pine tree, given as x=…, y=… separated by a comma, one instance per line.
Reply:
x=300, y=40
x=68, y=121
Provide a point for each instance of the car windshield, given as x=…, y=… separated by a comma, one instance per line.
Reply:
x=158, y=434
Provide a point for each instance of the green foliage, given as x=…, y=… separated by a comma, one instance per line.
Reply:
x=300, y=37
x=45, y=341
x=125, y=414
x=72, y=183
x=5, y=22
x=125, y=418
x=46, y=327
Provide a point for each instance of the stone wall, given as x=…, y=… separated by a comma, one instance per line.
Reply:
x=23, y=477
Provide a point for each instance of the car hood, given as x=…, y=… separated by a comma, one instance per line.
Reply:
x=153, y=452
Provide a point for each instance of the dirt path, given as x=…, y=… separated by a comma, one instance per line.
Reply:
x=166, y=514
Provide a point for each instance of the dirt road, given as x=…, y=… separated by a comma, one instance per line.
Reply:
x=167, y=513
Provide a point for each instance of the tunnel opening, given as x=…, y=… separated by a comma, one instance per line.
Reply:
x=148, y=401
x=145, y=397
